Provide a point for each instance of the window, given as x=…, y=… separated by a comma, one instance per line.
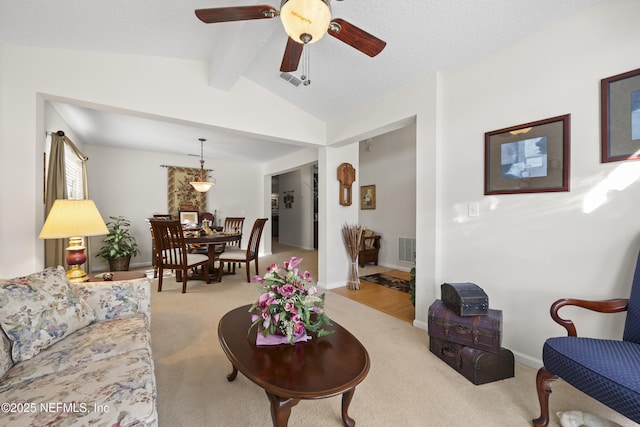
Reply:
x=73, y=171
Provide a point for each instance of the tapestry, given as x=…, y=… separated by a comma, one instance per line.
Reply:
x=180, y=192
x=388, y=281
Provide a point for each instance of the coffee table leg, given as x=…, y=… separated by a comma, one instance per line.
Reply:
x=346, y=401
x=232, y=376
x=281, y=409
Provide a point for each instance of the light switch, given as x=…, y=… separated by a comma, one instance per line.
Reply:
x=474, y=209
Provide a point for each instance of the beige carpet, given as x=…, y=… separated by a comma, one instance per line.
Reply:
x=406, y=386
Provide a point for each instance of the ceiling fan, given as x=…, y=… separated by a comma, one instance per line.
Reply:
x=305, y=21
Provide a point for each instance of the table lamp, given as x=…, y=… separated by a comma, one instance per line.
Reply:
x=74, y=219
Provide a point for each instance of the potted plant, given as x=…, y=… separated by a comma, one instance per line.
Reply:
x=412, y=286
x=119, y=245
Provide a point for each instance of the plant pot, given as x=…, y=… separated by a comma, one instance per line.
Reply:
x=119, y=264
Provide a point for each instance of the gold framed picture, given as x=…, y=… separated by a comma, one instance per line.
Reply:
x=367, y=197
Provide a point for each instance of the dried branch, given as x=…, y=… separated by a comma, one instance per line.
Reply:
x=352, y=237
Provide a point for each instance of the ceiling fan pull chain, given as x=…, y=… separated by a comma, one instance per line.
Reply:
x=306, y=77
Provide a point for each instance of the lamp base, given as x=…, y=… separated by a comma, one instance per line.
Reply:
x=77, y=275
x=75, y=259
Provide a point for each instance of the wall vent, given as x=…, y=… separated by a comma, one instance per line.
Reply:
x=407, y=249
x=291, y=79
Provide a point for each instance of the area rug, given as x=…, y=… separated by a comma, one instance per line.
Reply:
x=388, y=281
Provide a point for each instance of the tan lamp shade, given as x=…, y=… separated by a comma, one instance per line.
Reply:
x=73, y=218
x=304, y=17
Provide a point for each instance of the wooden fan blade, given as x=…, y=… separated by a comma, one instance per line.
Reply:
x=356, y=37
x=292, y=54
x=238, y=13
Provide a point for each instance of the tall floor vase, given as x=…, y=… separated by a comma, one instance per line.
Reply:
x=352, y=237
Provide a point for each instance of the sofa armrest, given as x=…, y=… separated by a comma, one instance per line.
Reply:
x=117, y=299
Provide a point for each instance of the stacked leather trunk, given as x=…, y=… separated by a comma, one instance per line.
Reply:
x=466, y=334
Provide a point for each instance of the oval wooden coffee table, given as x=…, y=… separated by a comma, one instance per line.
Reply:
x=319, y=368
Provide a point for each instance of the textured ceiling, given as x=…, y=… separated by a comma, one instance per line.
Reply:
x=423, y=36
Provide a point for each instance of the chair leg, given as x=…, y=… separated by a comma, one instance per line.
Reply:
x=185, y=276
x=160, y=274
x=205, y=270
x=220, y=270
x=543, y=385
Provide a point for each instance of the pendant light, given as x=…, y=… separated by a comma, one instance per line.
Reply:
x=202, y=185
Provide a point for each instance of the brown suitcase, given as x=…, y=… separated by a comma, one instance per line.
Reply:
x=466, y=299
x=479, y=367
x=483, y=332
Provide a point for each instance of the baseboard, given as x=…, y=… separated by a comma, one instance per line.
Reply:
x=527, y=360
x=420, y=324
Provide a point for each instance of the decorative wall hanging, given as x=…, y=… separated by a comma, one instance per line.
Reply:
x=346, y=176
x=180, y=192
x=288, y=199
x=528, y=158
x=620, y=117
x=368, y=197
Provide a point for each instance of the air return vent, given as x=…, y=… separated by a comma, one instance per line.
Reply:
x=407, y=249
x=291, y=79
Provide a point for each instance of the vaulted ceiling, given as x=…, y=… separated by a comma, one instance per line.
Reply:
x=423, y=36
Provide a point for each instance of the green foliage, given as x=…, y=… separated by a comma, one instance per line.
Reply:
x=119, y=242
x=412, y=286
x=285, y=305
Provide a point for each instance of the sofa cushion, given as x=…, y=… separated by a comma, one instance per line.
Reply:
x=117, y=391
x=110, y=300
x=39, y=310
x=6, y=361
x=88, y=345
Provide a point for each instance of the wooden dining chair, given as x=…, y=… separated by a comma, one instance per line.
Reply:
x=171, y=253
x=206, y=216
x=233, y=255
x=233, y=225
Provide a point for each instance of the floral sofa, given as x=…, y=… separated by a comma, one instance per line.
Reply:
x=75, y=354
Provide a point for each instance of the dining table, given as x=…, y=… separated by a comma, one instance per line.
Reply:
x=214, y=242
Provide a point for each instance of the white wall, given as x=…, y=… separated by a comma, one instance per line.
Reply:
x=388, y=161
x=159, y=87
x=132, y=184
x=296, y=222
x=528, y=250
x=525, y=250
x=417, y=104
x=333, y=260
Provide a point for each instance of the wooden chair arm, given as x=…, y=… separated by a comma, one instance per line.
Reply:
x=608, y=306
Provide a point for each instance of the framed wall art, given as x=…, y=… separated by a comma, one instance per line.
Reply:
x=368, y=197
x=620, y=117
x=188, y=217
x=528, y=158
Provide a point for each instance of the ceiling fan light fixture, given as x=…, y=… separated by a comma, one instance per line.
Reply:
x=305, y=21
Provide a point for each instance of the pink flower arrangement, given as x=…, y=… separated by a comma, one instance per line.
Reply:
x=285, y=305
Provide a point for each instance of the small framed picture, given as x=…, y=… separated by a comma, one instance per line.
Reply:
x=528, y=158
x=188, y=217
x=620, y=117
x=367, y=197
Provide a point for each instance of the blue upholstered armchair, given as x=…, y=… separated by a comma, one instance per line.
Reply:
x=606, y=370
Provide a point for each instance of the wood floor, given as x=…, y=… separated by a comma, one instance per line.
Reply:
x=390, y=301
